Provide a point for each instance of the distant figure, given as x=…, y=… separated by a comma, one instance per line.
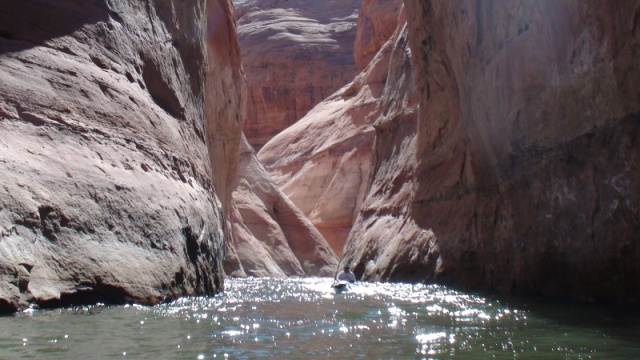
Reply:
x=347, y=275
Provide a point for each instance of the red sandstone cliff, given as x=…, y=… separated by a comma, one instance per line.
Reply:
x=295, y=54
x=526, y=153
x=384, y=236
x=109, y=192
x=290, y=48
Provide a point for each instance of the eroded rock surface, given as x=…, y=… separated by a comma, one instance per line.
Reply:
x=271, y=237
x=323, y=161
x=295, y=53
x=107, y=191
x=527, y=151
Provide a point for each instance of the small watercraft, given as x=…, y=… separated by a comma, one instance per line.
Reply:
x=340, y=286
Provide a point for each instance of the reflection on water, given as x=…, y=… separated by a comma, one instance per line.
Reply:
x=300, y=318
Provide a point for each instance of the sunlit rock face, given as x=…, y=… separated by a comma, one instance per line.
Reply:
x=527, y=152
x=295, y=54
x=322, y=163
x=271, y=237
x=108, y=192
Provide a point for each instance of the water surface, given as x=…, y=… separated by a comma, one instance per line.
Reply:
x=302, y=318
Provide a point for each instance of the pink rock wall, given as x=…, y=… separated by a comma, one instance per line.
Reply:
x=108, y=192
x=377, y=21
x=271, y=236
x=225, y=106
x=385, y=242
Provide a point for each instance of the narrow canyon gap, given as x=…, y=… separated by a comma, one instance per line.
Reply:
x=295, y=53
x=323, y=161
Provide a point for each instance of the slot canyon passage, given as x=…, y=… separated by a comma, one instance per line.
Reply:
x=149, y=150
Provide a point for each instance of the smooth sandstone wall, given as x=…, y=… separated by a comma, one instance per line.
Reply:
x=109, y=111
x=526, y=155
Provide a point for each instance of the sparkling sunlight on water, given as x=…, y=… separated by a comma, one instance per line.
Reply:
x=301, y=318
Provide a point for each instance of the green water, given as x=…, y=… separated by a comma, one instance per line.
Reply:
x=301, y=318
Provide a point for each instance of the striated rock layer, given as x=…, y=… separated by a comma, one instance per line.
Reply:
x=271, y=236
x=107, y=191
x=295, y=53
x=527, y=150
x=323, y=161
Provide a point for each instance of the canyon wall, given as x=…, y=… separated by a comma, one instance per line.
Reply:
x=271, y=236
x=295, y=53
x=527, y=153
x=108, y=192
x=322, y=162
x=385, y=242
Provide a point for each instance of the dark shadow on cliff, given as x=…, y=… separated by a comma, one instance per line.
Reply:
x=25, y=24
x=551, y=241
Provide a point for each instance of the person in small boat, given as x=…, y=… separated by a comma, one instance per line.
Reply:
x=347, y=275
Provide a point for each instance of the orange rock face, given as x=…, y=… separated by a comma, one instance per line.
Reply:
x=526, y=152
x=295, y=54
x=108, y=192
x=377, y=21
x=322, y=163
x=271, y=237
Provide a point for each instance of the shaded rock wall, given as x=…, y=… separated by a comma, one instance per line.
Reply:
x=107, y=191
x=225, y=108
x=385, y=242
x=295, y=53
x=527, y=152
x=271, y=237
x=322, y=163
